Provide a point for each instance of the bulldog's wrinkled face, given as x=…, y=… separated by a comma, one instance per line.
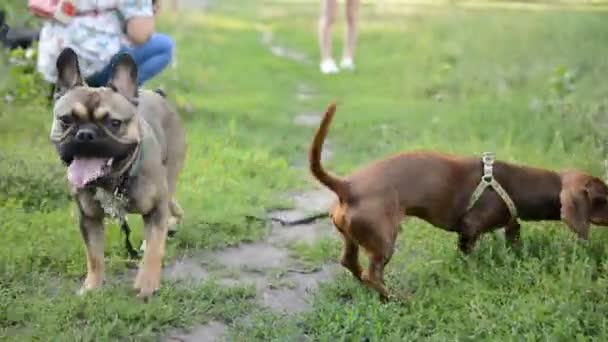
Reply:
x=94, y=129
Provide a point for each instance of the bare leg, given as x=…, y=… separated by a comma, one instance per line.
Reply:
x=350, y=39
x=326, y=22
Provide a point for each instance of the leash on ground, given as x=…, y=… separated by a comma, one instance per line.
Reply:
x=134, y=253
x=285, y=223
x=305, y=220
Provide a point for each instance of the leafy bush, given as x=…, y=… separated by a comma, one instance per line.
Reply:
x=23, y=83
x=17, y=13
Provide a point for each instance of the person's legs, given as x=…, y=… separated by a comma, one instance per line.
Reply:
x=101, y=78
x=326, y=21
x=153, y=56
x=350, y=39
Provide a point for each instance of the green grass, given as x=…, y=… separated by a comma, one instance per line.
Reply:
x=313, y=255
x=527, y=85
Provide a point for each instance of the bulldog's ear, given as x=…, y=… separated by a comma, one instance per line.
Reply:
x=68, y=71
x=124, y=76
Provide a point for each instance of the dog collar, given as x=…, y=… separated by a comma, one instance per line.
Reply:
x=131, y=167
x=115, y=204
x=147, y=139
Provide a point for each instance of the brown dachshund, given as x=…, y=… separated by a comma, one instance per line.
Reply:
x=437, y=188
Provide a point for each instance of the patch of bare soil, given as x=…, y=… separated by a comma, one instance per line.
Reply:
x=267, y=265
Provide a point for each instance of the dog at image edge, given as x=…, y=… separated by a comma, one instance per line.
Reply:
x=123, y=141
x=436, y=187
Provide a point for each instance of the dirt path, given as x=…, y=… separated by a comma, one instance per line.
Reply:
x=282, y=283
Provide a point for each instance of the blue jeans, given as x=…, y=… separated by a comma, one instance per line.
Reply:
x=151, y=58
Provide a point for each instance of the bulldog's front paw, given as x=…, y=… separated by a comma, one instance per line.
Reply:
x=90, y=283
x=146, y=293
x=146, y=284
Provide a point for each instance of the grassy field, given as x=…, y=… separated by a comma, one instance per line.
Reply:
x=528, y=85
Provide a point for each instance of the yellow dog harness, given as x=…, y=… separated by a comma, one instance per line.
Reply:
x=488, y=180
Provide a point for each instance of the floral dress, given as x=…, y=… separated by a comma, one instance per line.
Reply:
x=95, y=36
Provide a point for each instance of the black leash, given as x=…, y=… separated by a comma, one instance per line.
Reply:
x=133, y=253
x=120, y=192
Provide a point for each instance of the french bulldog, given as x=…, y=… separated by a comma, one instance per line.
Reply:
x=124, y=149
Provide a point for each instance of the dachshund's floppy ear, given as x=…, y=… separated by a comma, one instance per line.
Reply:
x=576, y=209
x=68, y=71
x=124, y=76
x=598, y=191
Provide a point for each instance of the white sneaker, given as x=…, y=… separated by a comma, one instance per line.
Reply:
x=347, y=64
x=329, y=66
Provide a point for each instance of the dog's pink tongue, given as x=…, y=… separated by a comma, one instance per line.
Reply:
x=84, y=170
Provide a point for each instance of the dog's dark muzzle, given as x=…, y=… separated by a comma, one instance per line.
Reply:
x=85, y=135
x=87, y=142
